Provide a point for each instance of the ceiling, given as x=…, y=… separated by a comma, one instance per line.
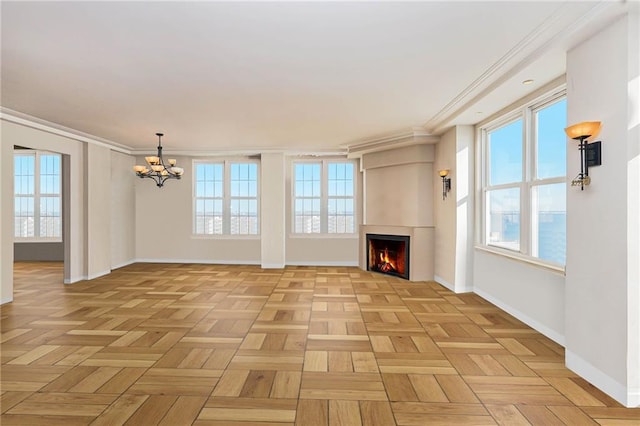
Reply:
x=297, y=76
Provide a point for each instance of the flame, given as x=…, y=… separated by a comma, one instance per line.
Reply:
x=386, y=264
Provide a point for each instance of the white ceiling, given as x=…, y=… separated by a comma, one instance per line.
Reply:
x=308, y=76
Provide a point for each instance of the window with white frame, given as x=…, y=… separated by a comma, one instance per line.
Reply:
x=323, y=197
x=37, y=195
x=226, y=198
x=524, y=181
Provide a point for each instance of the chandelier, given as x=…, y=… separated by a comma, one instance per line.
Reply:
x=156, y=169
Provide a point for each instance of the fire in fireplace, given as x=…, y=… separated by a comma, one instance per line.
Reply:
x=388, y=254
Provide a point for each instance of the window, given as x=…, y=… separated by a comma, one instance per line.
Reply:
x=524, y=181
x=226, y=198
x=323, y=194
x=37, y=200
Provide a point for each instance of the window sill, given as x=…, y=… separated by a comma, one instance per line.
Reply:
x=225, y=237
x=523, y=258
x=37, y=240
x=324, y=236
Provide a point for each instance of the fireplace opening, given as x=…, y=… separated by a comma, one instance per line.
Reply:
x=388, y=254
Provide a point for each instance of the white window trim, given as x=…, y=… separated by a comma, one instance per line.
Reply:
x=324, y=199
x=36, y=197
x=525, y=111
x=226, y=199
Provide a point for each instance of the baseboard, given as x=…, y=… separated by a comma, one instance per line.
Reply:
x=202, y=261
x=98, y=274
x=74, y=279
x=245, y=262
x=123, y=264
x=551, y=334
x=444, y=282
x=323, y=263
x=633, y=398
x=450, y=286
x=602, y=381
x=272, y=265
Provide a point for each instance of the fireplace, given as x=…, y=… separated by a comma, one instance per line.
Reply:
x=388, y=254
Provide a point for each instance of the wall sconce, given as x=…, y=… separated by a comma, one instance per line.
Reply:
x=446, y=182
x=589, y=152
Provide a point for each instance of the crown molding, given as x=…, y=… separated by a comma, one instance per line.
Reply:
x=27, y=120
x=246, y=152
x=496, y=75
x=412, y=136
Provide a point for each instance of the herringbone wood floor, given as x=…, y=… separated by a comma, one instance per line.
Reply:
x=237, y=345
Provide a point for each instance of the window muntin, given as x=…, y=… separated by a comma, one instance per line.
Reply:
x=524, y=182
x=244, y=198
x=307, y=198
x=209, y=199
x=226, y=198
x=323, y=194
x=37, y=195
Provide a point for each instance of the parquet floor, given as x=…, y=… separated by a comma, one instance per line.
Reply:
x=236, y=345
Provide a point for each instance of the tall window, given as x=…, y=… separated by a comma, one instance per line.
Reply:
x=524, y=188
x=323, y=195
x=226, y=198
x=37, y=195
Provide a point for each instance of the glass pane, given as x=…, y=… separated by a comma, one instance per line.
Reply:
x=50, y=220
x=24, y=169
x=305, y=178
x=503, y=218
x=208, y=203
x=49, y=171
x=505, y=154
x=551, y=144
x=549, y=222
x=235, y=188
x=243, y=214
x=24, y=217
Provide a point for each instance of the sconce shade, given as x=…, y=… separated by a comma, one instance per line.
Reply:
x=583, y=130
x=444, y=172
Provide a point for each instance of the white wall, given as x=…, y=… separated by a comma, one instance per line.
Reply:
x=602, y=327
x=398, y=186
x=454, y=215
x=122, y=209
x=38, y=252
x=17, y=134
x=633, y=209
x=6, y=216
x=320, y=250
x=89, y=210
x=164, y=225
x=445, y=212
x=532, y=294
x=465, y=207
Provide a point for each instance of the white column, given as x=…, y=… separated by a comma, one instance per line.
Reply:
x=98, y=209
x=272, y=210
x=6, y=220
